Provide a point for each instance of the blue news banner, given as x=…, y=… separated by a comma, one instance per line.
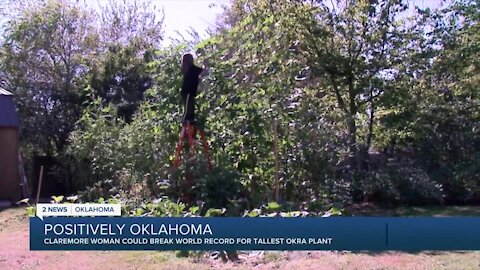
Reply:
x=337, y=233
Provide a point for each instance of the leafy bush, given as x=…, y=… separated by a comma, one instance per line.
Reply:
x=219, y=188
x=104, y=148
x=402, y=183
x=448, y=147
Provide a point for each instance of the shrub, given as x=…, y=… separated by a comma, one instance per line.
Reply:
x=402, y=183
x=104, y=148
x=219, y=188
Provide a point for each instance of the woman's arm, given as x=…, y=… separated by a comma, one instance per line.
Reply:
x=204, y=69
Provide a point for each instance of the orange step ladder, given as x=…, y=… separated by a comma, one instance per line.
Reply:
x=188, y=133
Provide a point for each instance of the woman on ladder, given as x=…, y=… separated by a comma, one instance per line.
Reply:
x=191, y=79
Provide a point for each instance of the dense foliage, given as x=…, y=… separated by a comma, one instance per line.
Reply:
x=308, y=103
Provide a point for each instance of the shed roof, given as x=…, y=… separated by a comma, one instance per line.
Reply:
x=8, y=114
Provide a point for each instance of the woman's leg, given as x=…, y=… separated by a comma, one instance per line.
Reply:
x=189, y=108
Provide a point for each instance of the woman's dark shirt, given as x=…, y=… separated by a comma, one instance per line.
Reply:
x=191, y=80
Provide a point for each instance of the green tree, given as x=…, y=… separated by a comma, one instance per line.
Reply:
x=130, y=33
x=431, y=119
x=354, y=49
x=446, y=129
x=45, y=58
x=346, y=52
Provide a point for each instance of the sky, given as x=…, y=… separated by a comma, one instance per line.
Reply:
x=180, y=15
